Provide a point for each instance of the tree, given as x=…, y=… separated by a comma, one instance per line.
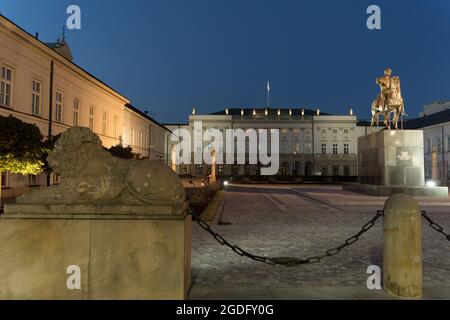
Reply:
x=122, y=152
x=21, y=147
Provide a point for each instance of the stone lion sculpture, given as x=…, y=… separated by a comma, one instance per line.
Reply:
x=91, y=175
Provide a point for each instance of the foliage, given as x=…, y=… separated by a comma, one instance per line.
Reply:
x=122, y=152
x=48, y=144
x=21, y=147
x=199, y=198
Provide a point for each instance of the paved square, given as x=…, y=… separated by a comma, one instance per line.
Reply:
x=303, y=221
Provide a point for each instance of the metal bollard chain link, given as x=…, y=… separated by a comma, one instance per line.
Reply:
x=287, y=261
x=435, y=226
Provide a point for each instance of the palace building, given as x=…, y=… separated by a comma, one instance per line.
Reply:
x=40, y=84
x=312, y=143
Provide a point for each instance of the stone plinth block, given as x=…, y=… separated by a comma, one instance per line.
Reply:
x=121, y=253
x=392, y=161
x=391, y=158
x=402, y=252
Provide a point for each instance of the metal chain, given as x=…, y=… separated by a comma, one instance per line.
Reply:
x=287, y=261
x=435, y=226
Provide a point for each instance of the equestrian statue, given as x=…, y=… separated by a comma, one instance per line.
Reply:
x=388, y=101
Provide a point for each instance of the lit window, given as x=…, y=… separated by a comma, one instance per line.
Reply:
x=76, y=112
x=91, y=118
x=116, y=126
x=105, y=124
x=32, y=180
x=36, y=98
x=4, y=179
x=6, y=86
x=439, y=145
x=59, y=107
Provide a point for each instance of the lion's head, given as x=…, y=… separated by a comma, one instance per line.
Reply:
x=75, y=147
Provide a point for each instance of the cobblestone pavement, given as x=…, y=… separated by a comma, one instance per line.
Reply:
x=301, y=222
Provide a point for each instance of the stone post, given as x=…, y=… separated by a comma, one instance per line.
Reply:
x=402, y=253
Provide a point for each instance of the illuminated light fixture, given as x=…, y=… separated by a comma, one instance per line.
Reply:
x=431, y=184
x=318, y=111
x=226, y=111
x=266, y=112
x=254, y=112
x=279, y=112
x=242, y=111
x=193, y=111
x=303, y=112
x=290, y=111
x=351, y=111
x=225, y=183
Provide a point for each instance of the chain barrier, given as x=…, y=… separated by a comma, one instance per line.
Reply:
x=435, y=226
x=286, y=261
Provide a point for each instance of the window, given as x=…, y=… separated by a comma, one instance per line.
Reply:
x=428, y=146
x=105, y=124
x=345, y=131
x=4, y=179
x=32, y=180
x=439, y=145
x=116, y=126
x=335, y=148
x=6, y=86
x=324, y=171
x=59, y=107
x=220, y=169
x=132, y=137
x=334, y=131
x=448, y=143
x=335, y=170
x=91, y=118
x=141, y=142
x=198, y=169
x=76, y=112
x=36, y=98
x=346, y=171
x=346, y=149
x=324, y=148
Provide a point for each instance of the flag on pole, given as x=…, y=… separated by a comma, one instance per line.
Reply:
x=268, y=86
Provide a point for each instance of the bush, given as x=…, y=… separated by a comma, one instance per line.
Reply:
x=199, y=198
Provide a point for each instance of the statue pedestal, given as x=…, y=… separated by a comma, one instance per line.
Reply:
x=392, y=161
x=123, y=252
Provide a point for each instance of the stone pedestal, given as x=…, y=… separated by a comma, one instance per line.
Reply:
x=123, y=252
x=392, y=161
x=402, y=247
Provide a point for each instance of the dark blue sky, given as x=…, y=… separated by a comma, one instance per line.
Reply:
x=169, y=55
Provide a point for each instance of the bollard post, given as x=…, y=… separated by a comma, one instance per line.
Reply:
x=402, y=252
